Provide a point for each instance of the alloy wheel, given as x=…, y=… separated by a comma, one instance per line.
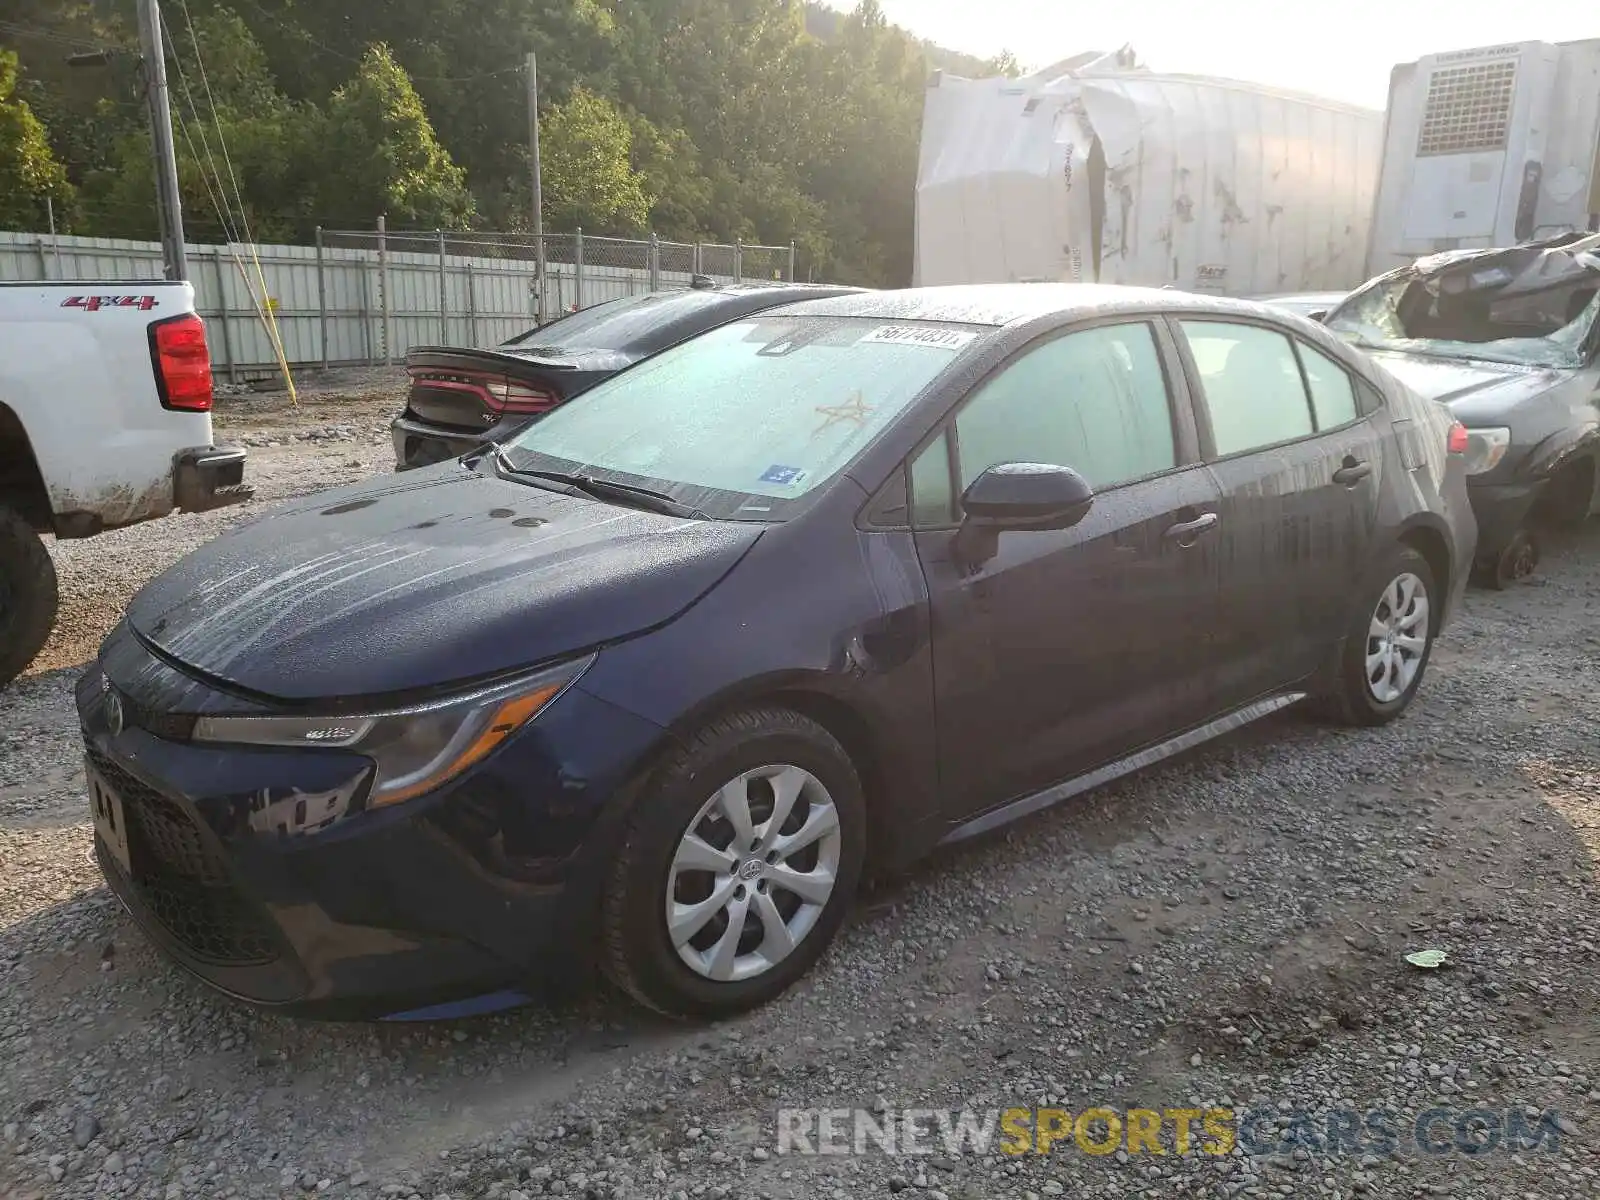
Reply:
x=1397, y=638
x=753, y=872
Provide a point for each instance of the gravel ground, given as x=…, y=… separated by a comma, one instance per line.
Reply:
x=1227, y=930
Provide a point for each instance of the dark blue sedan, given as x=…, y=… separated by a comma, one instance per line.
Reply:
x=652, y=683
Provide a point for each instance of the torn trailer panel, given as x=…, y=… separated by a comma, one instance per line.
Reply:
x=1107, y=173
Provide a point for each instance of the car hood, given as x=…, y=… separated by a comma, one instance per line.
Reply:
x=1477, y=393
x=410, y=582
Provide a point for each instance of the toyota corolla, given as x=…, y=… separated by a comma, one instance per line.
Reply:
x=653, y=682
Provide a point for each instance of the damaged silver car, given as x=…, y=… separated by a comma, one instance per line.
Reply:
x=1509, y=340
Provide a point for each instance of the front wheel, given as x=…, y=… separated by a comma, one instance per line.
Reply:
x=738, y=868
x=28, y=597
x=1389, y=642
x=1518, y=560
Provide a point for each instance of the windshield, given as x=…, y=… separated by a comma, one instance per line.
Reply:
x=744, y=421
x=618, y=324
x=1541, y=329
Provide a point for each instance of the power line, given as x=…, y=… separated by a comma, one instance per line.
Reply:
x=47, y=35
x=222, y=142
x=301, y=33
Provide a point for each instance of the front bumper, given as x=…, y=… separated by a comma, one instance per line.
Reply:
x=208, y=477
x=1502, y=510
x=258, y=871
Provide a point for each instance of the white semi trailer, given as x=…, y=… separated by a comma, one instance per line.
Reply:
x=1488, y=147
x=1098, y=170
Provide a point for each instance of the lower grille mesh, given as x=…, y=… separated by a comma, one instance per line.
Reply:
x=182, y=880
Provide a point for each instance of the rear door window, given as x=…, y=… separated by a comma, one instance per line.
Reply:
x=1252, y=384
x=1333, y=395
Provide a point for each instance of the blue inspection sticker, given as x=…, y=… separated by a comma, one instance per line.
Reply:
x=783, y=476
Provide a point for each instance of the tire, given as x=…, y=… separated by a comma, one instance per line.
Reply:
x=1356, y=699
x=28, y=597
x=760, y=754
x=1518, y=560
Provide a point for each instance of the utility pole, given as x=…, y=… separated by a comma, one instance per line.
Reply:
x=538, y=182
x=169, y=206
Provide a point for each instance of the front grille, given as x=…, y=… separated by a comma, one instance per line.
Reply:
x=173, y=842
x=183, y=881
x=214, y=924
x=171, y=727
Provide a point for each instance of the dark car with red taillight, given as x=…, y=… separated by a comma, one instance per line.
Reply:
x=460, y=398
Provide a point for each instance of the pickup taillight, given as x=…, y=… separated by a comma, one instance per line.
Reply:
x=182, y=363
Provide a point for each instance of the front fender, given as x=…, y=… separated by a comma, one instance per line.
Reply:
x=822, y=618
x=1560, y=448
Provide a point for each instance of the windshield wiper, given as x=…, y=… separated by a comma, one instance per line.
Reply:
x=601, y=489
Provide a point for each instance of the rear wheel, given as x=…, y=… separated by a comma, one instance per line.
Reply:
x=739, y=866
x=28, y=598
x=1389, y=642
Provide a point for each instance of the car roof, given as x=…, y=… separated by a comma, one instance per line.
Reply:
x=1293, y=297
x=805, y=290
x=1000, y=304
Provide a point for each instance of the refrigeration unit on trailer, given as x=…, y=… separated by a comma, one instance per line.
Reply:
x=1097, y=170
x=1488, y=147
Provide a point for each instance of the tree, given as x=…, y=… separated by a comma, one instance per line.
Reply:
x=380, y=154
x=246, y=155
x=669, y=164
x=587, y=149
x=29, y=172
x=766, y=120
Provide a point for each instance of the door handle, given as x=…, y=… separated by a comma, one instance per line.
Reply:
x=1352, y=472
x=1186, y=533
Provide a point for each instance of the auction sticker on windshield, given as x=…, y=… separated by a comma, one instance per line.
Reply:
x=783, y=476
x=919, y=335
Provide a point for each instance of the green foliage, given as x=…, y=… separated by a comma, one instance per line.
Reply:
x=370, y=149
x=586, y=152
x=380, y=154
x=29, y=172
x=766, y=120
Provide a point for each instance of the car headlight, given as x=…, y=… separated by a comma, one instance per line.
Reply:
x=416, y=749
x=1485, y=449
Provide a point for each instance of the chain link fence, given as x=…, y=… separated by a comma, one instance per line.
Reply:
x=719, y=262
x=367, y=296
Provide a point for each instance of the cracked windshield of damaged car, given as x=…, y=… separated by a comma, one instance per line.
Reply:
x=1483, y=312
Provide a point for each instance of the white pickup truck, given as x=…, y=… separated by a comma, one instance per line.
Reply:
x=105, y=421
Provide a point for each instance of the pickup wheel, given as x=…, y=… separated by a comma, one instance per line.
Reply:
x=28, y=598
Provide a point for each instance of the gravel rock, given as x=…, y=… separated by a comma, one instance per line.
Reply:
x=84, y=1130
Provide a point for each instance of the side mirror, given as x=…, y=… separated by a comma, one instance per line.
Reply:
x=1019, y=496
